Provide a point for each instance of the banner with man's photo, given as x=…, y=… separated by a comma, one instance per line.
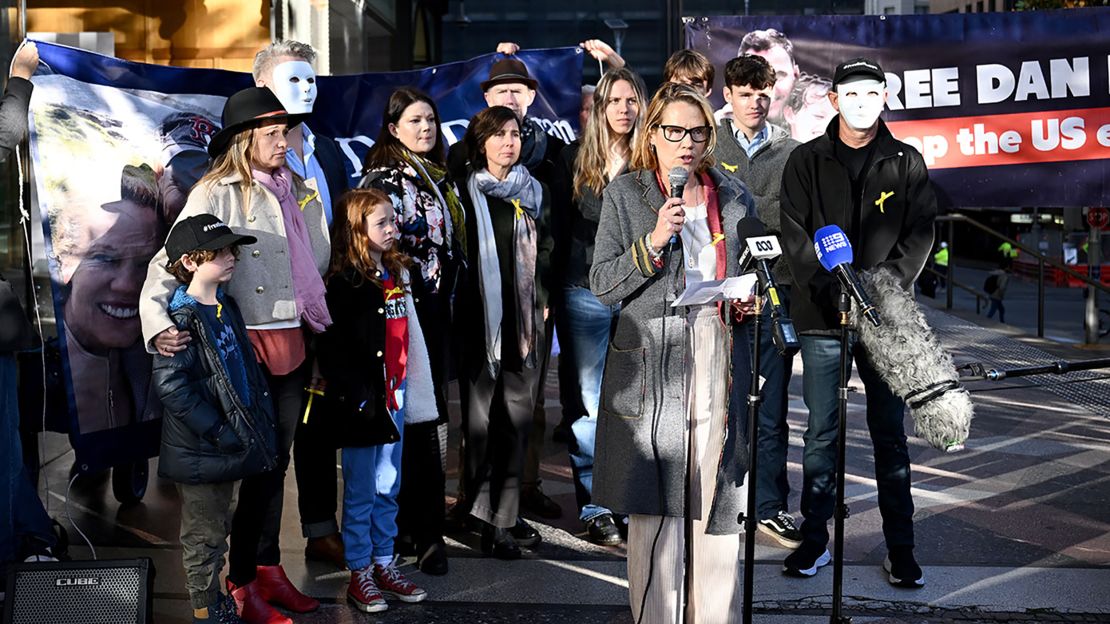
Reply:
x=104, y=135
x=1008, y=109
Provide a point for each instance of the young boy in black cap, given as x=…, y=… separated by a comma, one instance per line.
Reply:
x=219, y=423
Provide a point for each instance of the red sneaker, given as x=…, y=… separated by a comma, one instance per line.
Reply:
x=363, y=591
x=391, y=582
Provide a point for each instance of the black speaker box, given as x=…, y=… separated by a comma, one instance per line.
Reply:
x=80, y=592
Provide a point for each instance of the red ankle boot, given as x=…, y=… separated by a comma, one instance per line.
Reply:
x=253, y=608
x=277, y=589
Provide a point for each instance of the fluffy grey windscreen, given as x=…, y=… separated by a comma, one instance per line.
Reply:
x=910, y=359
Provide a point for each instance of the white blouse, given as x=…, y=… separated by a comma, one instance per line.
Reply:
x=697, y=249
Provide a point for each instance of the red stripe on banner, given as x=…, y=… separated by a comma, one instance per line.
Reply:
x=1023, y=138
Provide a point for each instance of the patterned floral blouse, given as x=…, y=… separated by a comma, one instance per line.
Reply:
x=423, y=222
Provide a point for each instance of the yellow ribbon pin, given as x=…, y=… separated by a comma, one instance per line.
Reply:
x=730, y=168
x=307, y=198
x=389, y=293
x=718, y=237
x=519, y=210
x=883, y=196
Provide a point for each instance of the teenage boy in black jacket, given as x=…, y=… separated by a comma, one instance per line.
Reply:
x=877, y=190
x=219, y=424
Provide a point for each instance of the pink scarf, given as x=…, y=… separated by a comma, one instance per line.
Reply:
x=308, y=286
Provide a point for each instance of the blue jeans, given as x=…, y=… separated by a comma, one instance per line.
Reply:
x=21, y=512
x=584, y=327
x=371, y=482
x=773, y=436
x=996, y=306
x=885, y=413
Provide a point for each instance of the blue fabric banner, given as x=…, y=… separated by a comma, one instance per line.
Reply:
x=1008, y=109
x=103, y=132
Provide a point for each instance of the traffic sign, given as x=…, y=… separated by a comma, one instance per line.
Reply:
x=1098, y=218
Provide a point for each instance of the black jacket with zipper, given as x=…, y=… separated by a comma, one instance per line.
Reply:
x=209, y=434
x=890, y=224
x=351, y=353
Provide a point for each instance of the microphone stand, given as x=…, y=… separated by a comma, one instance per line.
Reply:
x=840, y=512
x=688, y=528
x=754, y=399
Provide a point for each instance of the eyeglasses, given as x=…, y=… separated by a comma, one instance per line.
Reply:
x=674, y=134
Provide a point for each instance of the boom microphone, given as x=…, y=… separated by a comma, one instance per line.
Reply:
x=677, y=177
x=835, y=254
x=908, y=357
x=759, y=250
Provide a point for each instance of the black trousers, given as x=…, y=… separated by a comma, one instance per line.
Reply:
x=314, y=464
x=497, y=418
x=530, y=477
x=256, y=525
x=421, y=510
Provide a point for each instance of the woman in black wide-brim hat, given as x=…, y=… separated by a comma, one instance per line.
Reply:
x=280, y=291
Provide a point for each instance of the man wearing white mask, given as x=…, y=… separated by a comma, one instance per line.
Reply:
x=876, y=188
x=285, y=67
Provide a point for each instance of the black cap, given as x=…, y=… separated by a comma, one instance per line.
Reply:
x=858, y=68
x=203, y=232
x=509, y=70
x=249, y=108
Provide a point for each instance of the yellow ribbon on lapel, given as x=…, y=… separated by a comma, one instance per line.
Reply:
x=718, y=237
x=883, y=196
x=730, y=168
x=519, y=210
x=307, y=198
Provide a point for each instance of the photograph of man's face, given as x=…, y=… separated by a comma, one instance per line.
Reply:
x=113, y=246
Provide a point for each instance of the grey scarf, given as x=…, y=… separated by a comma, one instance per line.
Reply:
x=523, y=192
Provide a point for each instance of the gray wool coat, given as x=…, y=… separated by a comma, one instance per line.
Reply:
x=643, y=386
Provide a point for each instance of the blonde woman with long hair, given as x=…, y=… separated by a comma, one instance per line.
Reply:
x=280, y=290
x=583, y=171
x=667, y=368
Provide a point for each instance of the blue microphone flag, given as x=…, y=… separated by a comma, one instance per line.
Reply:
x=832, y=247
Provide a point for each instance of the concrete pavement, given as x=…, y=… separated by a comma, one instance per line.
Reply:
x=1015, y=528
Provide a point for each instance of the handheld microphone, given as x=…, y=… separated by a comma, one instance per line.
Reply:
x=758, y=252
x=677, y=177
x=835, y=254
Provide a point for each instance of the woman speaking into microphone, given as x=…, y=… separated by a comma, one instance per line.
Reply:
x=667, y=369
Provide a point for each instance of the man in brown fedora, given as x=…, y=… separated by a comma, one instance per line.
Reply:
x=510, y=85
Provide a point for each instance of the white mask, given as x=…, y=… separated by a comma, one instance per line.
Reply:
x=860, y=102
x=294, y=84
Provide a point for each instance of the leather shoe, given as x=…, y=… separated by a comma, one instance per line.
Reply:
x=499, y=543
x=253, y=608
x=532, y=499
x=433, y=559
x=524, y=534
x=277, y=589
x=328, y=549
x=603, y=530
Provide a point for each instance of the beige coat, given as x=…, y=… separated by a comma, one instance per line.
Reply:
x=263, y=280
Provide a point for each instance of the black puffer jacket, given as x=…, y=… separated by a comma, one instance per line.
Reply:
x=890, y=225
x=208, y=434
